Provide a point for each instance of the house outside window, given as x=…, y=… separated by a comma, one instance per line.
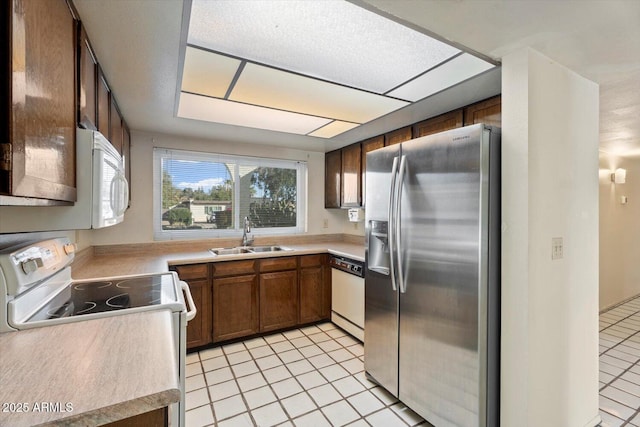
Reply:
x=200, y=195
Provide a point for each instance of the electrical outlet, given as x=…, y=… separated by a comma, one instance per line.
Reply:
x=325, y=223
x=557, y=248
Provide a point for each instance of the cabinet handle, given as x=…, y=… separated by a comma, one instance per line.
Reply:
x=192, y=310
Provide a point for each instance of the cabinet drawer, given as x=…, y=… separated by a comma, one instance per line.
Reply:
x=196, y=271
x=277, y=264
x=233, y=268
x=312, y=260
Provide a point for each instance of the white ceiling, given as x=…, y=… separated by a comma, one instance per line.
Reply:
x=138, y=44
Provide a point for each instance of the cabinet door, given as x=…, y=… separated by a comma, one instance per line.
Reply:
x=199, y=329
x=367, y=146
x=351, y=175
x=155, y=418
x=104, y=106
x=398, y=136
x=488, y=112
x=441, y=123
x=312, y=295
x=235, y=307
x=332, y=171
x=278, y=300
x=87, y=112
x=115, y=125
x=38, y=133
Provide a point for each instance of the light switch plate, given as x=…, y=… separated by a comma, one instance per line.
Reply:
x=557, y=248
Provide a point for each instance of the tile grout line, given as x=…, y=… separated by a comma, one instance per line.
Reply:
x=615, y=378
x=317, y=407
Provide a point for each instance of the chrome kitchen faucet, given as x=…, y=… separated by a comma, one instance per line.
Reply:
x=246, y=237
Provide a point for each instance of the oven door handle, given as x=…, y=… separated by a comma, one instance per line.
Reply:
x=192, y=310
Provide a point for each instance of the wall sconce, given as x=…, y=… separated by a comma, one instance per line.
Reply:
x=619, y=176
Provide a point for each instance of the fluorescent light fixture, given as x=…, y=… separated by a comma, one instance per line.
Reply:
x=448, y=74
x=260, y=85
x=619, y=176
x=315, y=68
x=207, y=73
x=218, y=110
x=333, y=40
x=333, y=129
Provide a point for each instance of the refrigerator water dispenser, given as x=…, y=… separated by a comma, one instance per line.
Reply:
x=379, y=247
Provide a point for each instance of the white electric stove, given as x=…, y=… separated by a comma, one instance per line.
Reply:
x=36, y=290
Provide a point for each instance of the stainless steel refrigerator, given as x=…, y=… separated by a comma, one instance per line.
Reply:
x=432, y=281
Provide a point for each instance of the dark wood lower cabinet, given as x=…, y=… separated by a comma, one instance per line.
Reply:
x=278, y=300
x=199, y=329
x=314, y=289
x=197, y=277
x=237, y=299
x=155, y=418
x=235, y=307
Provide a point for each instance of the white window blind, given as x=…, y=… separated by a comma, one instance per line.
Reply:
x=200, y=195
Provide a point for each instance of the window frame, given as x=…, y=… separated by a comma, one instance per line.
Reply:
x=301, y=168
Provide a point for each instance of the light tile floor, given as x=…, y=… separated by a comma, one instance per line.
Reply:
x=313, y=376
x=619, y=367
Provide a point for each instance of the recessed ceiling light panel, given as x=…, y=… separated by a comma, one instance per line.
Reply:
x=333, y=129
x=267, y=86
x=207, y=73
x=333, y=40
x=218, y=110
x=453, y=72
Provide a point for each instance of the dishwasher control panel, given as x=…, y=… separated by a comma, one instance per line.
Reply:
x=347, y=264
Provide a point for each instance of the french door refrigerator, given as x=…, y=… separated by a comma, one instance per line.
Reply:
x=432, y=291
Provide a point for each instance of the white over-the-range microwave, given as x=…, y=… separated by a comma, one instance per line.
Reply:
x=102, y=193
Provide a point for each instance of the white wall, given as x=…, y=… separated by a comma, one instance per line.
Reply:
x=549, y=372
x=619, y=231
x=138, y=226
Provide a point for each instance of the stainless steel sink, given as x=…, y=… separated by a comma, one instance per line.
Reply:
x=247, y=250
x=268, y=248
x=229, y=251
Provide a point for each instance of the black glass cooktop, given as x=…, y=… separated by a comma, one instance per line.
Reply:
x=80, y=298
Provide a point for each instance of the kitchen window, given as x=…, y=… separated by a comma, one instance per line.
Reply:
x=206, y=195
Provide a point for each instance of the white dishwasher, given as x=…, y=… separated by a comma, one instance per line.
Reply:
x=347, y=295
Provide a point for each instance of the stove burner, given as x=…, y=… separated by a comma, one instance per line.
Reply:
x=65, y=310
x=137, y=283
x=88, y=285
x=118, y=301
x=93, y=297
x=90, y=306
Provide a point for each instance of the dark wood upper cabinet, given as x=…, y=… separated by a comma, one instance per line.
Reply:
x=441, y=123
x=351, y=176
x=332, y=173
x=488, y=112
x=398, y=136
x=87, y=95
x=368, y=146
x=104, y=105
x=38, y=124
x=115, y=125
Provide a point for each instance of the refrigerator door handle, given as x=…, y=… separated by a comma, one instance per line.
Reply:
x=390, y=232
x=398, y=232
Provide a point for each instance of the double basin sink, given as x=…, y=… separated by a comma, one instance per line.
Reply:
x=248, y=250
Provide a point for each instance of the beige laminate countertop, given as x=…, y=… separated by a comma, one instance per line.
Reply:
x=120, y=265
x=111, y=368
x=96, y=371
